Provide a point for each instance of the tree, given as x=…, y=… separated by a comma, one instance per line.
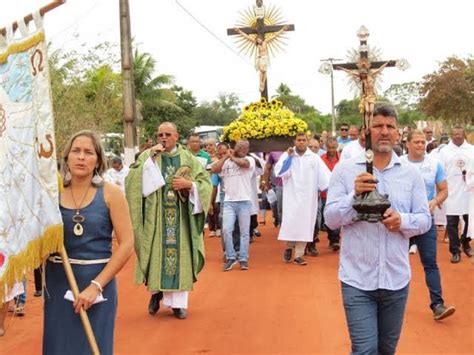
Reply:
x=86, y=92
x=406, y=98
x=219, y=112
x=294, y=103
x=448, y=93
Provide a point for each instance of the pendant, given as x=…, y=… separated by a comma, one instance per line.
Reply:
x=78, y=230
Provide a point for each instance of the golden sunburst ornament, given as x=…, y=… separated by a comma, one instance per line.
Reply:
x=272, y=16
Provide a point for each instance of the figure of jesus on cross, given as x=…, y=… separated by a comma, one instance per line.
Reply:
x=370, y=206
x=261, y=37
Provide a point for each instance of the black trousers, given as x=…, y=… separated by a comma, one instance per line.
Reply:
x=453, y=234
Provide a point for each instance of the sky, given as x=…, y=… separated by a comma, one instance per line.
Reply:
x=188, y=39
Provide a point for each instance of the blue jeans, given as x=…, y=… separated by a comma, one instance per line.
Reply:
x=374, y=318
x=426, y=244
x=236, y=210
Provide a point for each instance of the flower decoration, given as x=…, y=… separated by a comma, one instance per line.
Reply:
x=263, y=119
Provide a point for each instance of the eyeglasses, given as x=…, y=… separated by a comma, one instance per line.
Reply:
x=164, y=134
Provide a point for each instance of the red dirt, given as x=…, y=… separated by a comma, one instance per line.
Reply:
x=274, y=308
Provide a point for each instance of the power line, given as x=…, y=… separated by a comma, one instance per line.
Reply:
x=210, y=32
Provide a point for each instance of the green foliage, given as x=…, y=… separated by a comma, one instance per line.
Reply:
x=219, y=112
x=86, y=91
x=348, y=112
x=448, y=93
x=294, y=103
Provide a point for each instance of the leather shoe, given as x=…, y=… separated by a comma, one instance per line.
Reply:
x=468, y=252
x=180, y=313
x=154, y=304
x=456, y=258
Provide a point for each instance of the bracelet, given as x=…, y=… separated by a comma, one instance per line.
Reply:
x=99, y=286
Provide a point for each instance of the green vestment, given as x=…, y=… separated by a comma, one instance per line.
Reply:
x=168, y=237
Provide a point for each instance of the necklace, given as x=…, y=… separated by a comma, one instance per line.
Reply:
x=78, y=230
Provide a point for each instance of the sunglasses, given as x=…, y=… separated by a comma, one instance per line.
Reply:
x=344, y=129
x=164, y=134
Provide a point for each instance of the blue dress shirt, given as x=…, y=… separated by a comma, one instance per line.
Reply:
x=371, y=256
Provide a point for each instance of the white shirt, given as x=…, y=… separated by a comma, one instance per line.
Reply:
x=117, y=177
x=455, y=159
x=237, y=180
x=351, y=150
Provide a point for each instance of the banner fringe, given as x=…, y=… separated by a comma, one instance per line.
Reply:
x=31, y=257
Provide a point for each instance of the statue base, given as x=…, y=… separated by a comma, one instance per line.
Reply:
x=370, y=206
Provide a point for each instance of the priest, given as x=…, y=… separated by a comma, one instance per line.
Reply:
x=168, y=192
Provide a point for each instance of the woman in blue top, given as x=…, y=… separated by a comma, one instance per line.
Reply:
x=437, y=191
x=91, y=211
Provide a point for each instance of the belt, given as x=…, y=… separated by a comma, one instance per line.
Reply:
x=58, y=260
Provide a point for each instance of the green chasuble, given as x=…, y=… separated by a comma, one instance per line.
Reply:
x=168, y=237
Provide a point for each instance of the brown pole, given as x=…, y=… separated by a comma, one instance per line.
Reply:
x=75, y=291
x=129, y=106
x=42, y=11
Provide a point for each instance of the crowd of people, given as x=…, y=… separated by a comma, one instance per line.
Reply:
x=162, y=204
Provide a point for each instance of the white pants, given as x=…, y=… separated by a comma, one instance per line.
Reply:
x=175, y=299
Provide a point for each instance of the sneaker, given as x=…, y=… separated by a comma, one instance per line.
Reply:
x=244, y=265
x=413, y=249
x=257, y=232
x=212, y=234
x=299, y=261
x=440, y=311
x=335, y=246
x=456, y=258
x=20, y=310
x=287, y=255
x=229, y=263
x=312, y=251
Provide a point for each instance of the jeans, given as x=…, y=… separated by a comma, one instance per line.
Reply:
x=426, y=244
x=21, y=298
x=236, y=210
x=452, y=228
x=374, y=318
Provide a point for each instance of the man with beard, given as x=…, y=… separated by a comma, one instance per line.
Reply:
x=374, y=267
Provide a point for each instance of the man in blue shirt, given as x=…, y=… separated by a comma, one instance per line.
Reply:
x=374, y=267
x=344, y=138
x=437, y=191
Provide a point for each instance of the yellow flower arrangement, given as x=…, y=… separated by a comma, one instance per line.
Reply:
x=264, y=119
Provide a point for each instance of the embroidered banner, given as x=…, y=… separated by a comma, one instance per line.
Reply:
x=30, y=220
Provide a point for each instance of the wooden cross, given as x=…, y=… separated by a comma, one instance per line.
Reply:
x=260, y=29
x=366, y=72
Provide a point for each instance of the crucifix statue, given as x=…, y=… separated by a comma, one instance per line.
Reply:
x=261, y=37
x=370, y=206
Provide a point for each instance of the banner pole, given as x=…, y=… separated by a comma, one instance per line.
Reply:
x=42, y=10
x=82, y=313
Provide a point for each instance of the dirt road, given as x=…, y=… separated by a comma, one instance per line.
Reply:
x=273, y=308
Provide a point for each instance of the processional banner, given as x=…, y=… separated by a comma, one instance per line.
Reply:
x=30, y=220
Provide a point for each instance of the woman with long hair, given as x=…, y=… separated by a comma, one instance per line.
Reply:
x=91, y=210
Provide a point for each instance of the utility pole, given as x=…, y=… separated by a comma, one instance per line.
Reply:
x=129, y=107
x=327, y=68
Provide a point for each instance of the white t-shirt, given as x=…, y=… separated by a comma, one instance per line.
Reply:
x=117, y=177
x=456, y=160
x=237, y=180
x=351, y=150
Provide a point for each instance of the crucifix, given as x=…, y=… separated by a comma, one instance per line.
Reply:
x=261, y=36
x=370, y=206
